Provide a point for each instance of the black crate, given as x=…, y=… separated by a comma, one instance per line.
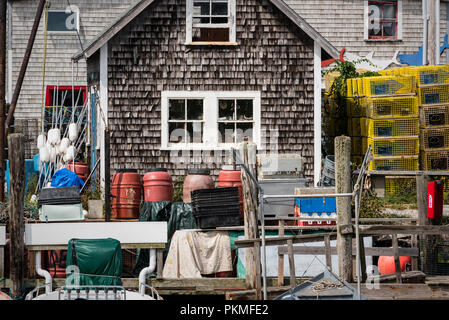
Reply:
x=218, y=194
x=222, y=211
x=213, y=221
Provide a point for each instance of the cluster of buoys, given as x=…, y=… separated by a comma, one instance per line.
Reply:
x=51, y=145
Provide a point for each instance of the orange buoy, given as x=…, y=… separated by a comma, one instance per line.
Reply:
x=197, y=179
x=230, y=177
x=157, y=185
x=81, y=169
x=385, y=264
x=126, y=191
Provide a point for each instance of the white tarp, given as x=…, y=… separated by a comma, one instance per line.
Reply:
x=194, y=253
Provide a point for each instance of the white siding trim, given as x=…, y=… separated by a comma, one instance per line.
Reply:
x=210, y=135
x=317, y=114
x=104, y=109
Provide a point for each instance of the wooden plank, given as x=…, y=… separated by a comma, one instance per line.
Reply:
x=281, y=257
x=327, y=251
x=397, y=264
x=160, y=262
x=408, y=173
x=407, y=277
x=125, y=232
x=291, y=262
x=386, y=230
x=421, y=196
x=274, y=241
x=415, y=259
x=405, y=292
x=124, y=246
x=371, y=251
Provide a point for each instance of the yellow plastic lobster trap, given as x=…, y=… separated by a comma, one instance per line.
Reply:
x=425, y=75
x=356, y=107
x=434, y=95
x=395, y=164
x=393, y=147
x=434, y=116
x=435, y=139
x=381, y=86
x=394, y=107
x=435, y=160
x=404, y=127
x=401, y=185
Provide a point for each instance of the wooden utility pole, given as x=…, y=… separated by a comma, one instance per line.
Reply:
x=250, y=194
x=107, y=174
x=344, y=215
x=2, y=96
x=432, y=38
x=16, y=156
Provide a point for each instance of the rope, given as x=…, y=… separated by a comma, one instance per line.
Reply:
x=44, y=63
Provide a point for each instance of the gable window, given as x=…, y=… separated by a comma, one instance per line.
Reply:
x=210, y=21
x=63, y=21
x=209, y=119
x=383, y=20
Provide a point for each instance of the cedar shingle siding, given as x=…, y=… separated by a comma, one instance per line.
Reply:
x=273, y=56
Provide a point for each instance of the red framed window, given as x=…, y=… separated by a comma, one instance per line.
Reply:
x=383, y=19
x=56, y=94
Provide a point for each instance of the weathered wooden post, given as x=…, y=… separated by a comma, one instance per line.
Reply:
x=251, y=228
x=421, y=198
x=344, y=216
x=16, y=154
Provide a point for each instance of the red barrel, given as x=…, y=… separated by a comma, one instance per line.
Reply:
x=196, y=179
x=228, y=177
x=126, y=191
x=158, y=185
x=81, y=169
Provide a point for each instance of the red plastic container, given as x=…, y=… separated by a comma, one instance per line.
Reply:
x=386, y=264
x=81, y=169
x=126, y=191
x=435, y=199
x=197, y=179
x=157, y=185
x=232, y=178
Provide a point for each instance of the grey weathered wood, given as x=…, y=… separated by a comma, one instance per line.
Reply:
x=16, y=154
x=397, y=263
x=370, y=251
x=362, y=258
x=344, y=216
x=274, y=241
x=431, y=37
x=2, y=261
x=327, y=251
x=257, y=273
x=407, y=173
x=421, y=196
x=291, y=263
x=415, y=259
x=160, y=262
x=281, y=256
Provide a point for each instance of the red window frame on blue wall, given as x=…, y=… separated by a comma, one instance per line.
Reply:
x=381, y=20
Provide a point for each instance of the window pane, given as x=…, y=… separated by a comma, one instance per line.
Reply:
x=194, y=132
x=176, y=109
x=61, y=21
x=389, y=29
x=194, y=109
x=201, y=20
x=210, y=34
x=201, y=8
x=375, y=32
x=220, y=9
x=374, y=11
x=389, y=12
x=227, y=132
x=244, y=132
x=226, y=110
x=176, y=132
x=244, y=109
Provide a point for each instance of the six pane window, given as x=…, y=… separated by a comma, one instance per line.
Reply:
x=185, y=121
x=235, y=120
x=382, y=19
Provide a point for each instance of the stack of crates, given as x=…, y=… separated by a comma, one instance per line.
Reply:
x=384, y=113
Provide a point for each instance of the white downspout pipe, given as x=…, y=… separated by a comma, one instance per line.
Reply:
x=425, y=18
x=43, y=273
x=437, y=31
x=147, y=271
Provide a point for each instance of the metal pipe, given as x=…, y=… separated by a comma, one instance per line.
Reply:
x=425, y=18
x=264, y=249
x=24, y=66
x=333, y=195
x=146, y=271
x=2, y=96
x=43, y=273
x=9, y=51
x=437, y=31
x=357, y=244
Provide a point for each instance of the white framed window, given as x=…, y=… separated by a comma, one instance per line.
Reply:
x=383, y=20
x=210, y=21
x=208, y=120
x=63, y=21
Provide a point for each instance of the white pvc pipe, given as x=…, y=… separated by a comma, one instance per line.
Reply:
x=437, y=31
x=43, y=273
x=147, y=271
x=425, y=18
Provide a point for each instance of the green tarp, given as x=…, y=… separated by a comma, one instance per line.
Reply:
x=178, y=216
x=98, y=262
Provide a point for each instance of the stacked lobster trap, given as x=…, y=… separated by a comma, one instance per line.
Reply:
x=384, y=113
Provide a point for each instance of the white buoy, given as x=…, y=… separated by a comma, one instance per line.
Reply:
x=41, y=141
x=44, y=154
x=70, y=153
x=73, y=132
x=64, y=145
x=54, y=136
x=53, y=154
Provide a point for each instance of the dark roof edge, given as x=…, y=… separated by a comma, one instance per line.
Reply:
x=95, y=44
